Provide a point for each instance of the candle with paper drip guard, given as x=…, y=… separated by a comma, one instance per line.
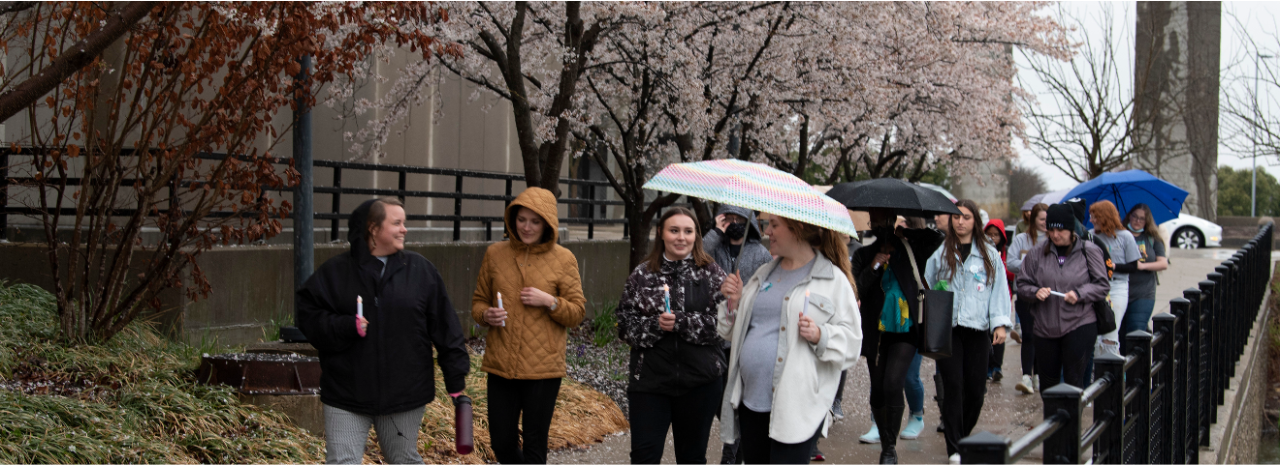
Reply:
x=504, y=319
x=359, y=315
x=666, y=297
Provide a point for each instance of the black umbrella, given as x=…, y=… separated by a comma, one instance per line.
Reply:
x=902, y=197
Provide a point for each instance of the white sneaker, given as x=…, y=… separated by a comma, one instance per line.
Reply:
x=954, y=458
x=1026, y=386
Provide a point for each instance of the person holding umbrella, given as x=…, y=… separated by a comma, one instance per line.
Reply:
x=374, y=314
x=668, y=316
x=971, y=268
x=886, y=283
x=794, y=327
x=528, y=293
x=1062, y=279
x=1142, y=282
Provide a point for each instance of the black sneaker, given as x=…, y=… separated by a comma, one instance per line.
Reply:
x=816, y=455
x=997, y=376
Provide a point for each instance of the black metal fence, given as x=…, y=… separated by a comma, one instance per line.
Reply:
x=1155, y=404
x=591, y=209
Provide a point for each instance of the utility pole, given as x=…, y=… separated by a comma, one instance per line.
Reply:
x=1253, y=193
x=304, y=232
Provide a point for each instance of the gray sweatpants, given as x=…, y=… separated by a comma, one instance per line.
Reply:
x=346, y=433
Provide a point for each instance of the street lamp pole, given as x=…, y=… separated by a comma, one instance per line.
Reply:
x=1253, y=193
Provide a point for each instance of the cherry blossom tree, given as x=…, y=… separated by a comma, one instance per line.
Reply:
x=117, y=145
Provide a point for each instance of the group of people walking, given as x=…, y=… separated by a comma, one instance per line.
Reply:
x=720, y=326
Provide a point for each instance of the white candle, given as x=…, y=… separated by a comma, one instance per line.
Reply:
x=359, y=307
x=504, y=320
x=666, y=297
x=806, y=302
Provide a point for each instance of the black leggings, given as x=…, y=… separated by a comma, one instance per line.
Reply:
x=1065, y=355
x=758, y=447
x=688, y=416
x=964, y=380
x=1028, y=320
x=536, y=398
x=889, y=373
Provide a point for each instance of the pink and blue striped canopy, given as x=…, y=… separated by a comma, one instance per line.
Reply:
x=757, y=187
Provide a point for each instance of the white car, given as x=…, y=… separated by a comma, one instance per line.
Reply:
x=1191, y=232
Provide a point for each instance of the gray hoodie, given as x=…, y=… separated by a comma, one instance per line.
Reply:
x=753, y=253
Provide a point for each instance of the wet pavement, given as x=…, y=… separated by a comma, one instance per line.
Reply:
x=1006, y=412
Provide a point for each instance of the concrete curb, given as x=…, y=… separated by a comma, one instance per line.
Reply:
x=1235, y=435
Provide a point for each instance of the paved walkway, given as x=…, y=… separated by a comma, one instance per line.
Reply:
x=1007, y=412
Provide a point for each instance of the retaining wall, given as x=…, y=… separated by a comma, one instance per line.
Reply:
x=253, y=285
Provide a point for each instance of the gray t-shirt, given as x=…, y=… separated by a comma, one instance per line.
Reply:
x=1142, y=284
x=760, y=346
x=1123, y=249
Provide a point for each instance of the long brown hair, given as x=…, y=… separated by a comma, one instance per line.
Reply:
x=1152, y=229
x=827, y=242
x=700, y=257
x=951, y=246
x=1032, y=232
x=1106, y=219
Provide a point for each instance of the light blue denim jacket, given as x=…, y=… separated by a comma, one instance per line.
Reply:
x=978, y=304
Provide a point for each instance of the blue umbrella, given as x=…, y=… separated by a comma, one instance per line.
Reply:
x=1129, y=188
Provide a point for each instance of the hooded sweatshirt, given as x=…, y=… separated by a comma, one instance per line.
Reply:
x=1004, y=253
x=531, y=345
x=390, y=369
x=753, y=254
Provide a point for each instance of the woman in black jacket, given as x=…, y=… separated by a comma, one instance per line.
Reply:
x=889, y=352
x=676, y=359
x=377, y=369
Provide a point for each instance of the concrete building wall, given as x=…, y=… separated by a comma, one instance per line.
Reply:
x=1177, y=50
x=989, y=188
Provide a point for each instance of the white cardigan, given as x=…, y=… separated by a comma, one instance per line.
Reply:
x=806, y=376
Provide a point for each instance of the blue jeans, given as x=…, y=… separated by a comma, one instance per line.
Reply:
x=1137, y=317
x=915, y=387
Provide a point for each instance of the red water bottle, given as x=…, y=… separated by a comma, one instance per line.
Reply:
x=462, y=424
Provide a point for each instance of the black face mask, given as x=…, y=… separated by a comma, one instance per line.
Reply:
x=736, y=231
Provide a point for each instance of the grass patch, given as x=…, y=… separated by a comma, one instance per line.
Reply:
x=131, y=400
x=135, y=399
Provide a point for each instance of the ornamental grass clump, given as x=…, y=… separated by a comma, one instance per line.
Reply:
x=133, y=399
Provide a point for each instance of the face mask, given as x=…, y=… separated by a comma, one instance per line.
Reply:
x=1136, y=230
x=736, y=231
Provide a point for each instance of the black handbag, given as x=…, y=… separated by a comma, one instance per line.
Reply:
x=934, y=316
x=1102, y=308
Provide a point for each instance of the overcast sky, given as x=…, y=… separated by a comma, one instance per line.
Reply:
x=1259, y=19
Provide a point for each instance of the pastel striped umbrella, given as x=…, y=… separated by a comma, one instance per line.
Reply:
x=754, y=186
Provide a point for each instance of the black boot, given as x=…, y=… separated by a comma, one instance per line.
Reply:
x=889, y=423
x=729, y=454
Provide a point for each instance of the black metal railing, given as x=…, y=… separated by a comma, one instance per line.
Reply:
x=591, y=210
x=1157, y=402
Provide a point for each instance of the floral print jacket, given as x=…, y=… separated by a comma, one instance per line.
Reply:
x=688, y=356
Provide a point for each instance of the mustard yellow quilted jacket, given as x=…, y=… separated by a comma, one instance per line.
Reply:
x=531, y=345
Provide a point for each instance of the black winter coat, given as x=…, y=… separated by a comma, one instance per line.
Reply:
x=672, y=362
x=871, y=296
x=390, y=370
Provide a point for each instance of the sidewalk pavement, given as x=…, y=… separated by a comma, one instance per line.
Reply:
x=1006, y=412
